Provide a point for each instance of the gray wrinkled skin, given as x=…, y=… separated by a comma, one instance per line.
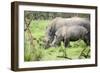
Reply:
x=70, y=33
x=59, y=22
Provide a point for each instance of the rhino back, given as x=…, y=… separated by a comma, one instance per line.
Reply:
x=78, y=21
x=76, y=32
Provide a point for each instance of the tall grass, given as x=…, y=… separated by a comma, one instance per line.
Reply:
x=37, y=52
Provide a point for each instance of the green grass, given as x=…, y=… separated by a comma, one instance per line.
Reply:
x=34, y=51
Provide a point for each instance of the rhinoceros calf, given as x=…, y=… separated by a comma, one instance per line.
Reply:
x=70, y=33
x=59, y=22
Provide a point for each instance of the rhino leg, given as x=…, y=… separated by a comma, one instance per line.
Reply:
x=66, y=42
x=87, y=39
